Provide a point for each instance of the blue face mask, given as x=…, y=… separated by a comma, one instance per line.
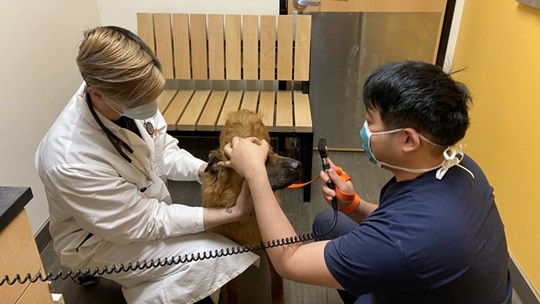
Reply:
x=452, y=155
x=365, y=134
x=365, y=143
x=142, y=112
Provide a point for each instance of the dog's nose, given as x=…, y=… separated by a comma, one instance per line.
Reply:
x=296, y=165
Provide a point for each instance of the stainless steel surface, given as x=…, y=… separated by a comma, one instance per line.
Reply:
x=533, y=3
x=345, y=49
x=304, y=3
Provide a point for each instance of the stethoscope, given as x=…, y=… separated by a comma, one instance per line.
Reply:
x=117, y=142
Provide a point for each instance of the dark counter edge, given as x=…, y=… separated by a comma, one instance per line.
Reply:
x=16, y=206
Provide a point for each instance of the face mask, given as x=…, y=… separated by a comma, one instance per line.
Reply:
x=366, y=135
x=452, y=155
x=144, y=111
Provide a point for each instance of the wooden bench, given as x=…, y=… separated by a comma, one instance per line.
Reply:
x=215, y=64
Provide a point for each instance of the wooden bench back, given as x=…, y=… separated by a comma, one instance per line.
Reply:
x=229, y=47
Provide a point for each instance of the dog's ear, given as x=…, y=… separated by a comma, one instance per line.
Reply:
x=214, y=158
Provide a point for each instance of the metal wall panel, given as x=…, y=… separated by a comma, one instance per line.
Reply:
x=532, y=3
x=345, y=49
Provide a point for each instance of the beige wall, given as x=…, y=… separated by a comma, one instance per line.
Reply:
x=499, y=43
x=38, y=76
x=123, y=12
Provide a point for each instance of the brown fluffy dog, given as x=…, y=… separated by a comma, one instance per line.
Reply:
x=222, y=186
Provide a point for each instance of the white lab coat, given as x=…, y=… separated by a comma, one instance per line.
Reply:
x=91, y=188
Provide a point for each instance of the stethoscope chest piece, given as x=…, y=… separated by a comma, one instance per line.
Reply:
x=149, y=128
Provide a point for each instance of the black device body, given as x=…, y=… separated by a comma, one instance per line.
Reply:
x=323, y=152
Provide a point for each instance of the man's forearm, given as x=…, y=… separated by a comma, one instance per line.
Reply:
x=363, y=210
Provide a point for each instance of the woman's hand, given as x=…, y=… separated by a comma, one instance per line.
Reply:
x=201, y=170
x=247, y=156
x=213, y=217
x=344, y=186
x=244, y=203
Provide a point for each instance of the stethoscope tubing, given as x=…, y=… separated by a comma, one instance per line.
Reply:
x=117, y=142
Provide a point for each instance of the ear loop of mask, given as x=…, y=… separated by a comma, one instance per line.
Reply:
x=110, y=106
x=452, y=157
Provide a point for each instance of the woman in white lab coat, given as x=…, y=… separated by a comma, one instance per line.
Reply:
x=104, y=164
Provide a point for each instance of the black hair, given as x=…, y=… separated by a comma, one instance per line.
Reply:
x=419, y=95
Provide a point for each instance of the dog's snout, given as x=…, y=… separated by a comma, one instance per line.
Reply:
x=283, y=171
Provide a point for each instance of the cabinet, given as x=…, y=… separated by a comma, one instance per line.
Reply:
x=19, y=252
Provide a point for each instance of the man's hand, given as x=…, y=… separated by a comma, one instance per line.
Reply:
x=344, y=186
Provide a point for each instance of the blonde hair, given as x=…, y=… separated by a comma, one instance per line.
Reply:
x=119, y=65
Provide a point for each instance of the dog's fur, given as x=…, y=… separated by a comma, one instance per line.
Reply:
x=222, y=186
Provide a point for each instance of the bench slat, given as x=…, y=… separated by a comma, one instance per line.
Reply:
x=233, y=37
x=231, y=104
x=302, y=48
x=198, y=46
x=285, y=45
x=250, y=32
x=266, y=108
x=268, y=48
x=302, y=113
x=284, y=118
x=164, y=99
x=176, y=108
x=216, y=51
x=211, y=111
x=250, y=100
x=189, y=118
x=145, y=29
x=162, y=28
x=182, y=66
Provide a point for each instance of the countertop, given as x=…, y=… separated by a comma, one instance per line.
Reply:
x=12, y=202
